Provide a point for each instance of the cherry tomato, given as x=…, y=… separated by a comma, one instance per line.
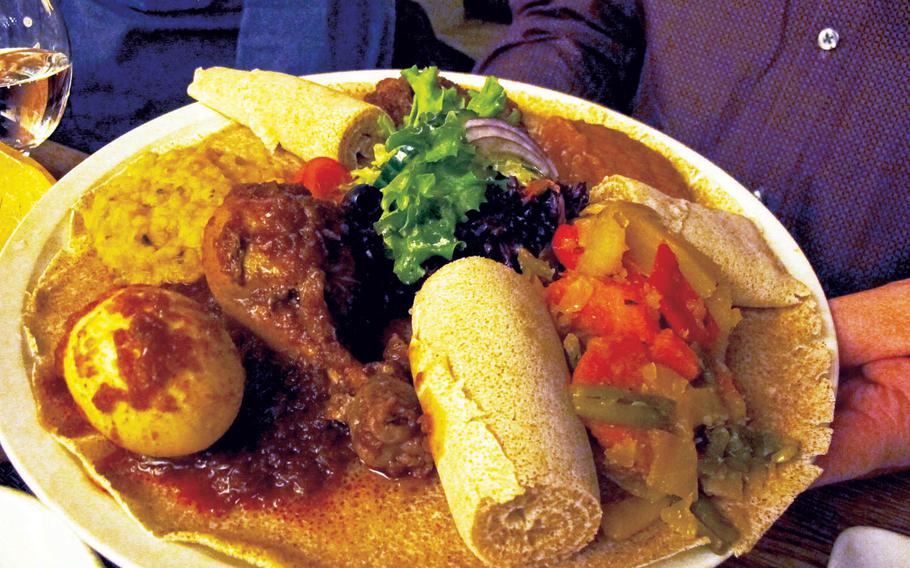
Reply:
x=323, y=177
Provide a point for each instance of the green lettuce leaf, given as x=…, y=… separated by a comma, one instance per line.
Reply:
x=488, y=101
x=429, y=97
x=431, y=176
x=432, y=193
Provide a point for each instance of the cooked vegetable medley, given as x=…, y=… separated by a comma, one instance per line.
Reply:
x=646, y=321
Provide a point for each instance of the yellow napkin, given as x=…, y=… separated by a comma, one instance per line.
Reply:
x=22, y=182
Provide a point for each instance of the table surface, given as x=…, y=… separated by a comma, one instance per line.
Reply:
x=802, y=537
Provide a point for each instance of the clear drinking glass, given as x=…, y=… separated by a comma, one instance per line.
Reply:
x=35, y=71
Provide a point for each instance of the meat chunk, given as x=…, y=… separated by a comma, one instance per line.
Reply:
x=262, y=255
x=266, y=253
x=393, y=96
x=384, y=419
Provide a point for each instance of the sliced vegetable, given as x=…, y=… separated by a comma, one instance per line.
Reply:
x=674, y=464
x=572, y=346
x=669, y=350
x=645, y=232
x=566, y=247
x=714, y=525
x=725, y=482
x=732, y=398
x=393, y=166
x=625, y=450
x=631, y=515
x=480, y=128
x=679, y=517
x=510, y=166
x=568, y=296
x=490, y=100
x=324, y=177
x=500, y=140
x=733, y=455
x=680, y=305
x=612, y=361
x=616, y=310
x=433, y=176
x=620, y=407
x=431, y=194
x=539, y=186
x=532, y=266
x=703, y=406
x=429, y=96
x=720, y=306
x=603, y=242
x=663, y=381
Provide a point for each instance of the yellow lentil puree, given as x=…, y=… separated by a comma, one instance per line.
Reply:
x=162, y=202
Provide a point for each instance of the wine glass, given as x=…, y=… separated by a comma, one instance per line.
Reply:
x=35, y=71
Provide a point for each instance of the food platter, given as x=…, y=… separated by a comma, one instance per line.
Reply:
x=57, y=478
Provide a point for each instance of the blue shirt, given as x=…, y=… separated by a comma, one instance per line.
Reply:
x=821, y=133
x=132, y=59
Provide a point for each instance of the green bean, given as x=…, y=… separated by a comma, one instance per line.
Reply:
x=608, y=392
x=619, y=407
x=715, y=526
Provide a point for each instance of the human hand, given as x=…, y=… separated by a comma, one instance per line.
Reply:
x=872, y=417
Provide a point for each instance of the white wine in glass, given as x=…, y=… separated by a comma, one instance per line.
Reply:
x=35, y=71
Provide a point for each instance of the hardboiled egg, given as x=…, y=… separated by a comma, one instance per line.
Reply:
x=153, y=371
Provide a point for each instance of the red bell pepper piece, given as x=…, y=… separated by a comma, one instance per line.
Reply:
x=680, y=305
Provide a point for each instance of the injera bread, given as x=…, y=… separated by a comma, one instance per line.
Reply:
x=512, y=456
x=307, y=119
x=779, y=355
x=757, y=277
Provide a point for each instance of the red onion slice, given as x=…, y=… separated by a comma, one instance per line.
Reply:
x=495, y=136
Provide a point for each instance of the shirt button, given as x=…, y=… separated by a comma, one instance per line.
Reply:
x=828, y=38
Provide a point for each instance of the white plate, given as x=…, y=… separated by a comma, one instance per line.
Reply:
x=33, y=535
x=55, y=476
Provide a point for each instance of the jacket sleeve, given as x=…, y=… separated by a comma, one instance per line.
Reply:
x=588, y=48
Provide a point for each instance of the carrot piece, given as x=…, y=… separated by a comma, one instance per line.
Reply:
x=671, y=351
x=618, y=309
x=612, y=361
x=630, y=446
